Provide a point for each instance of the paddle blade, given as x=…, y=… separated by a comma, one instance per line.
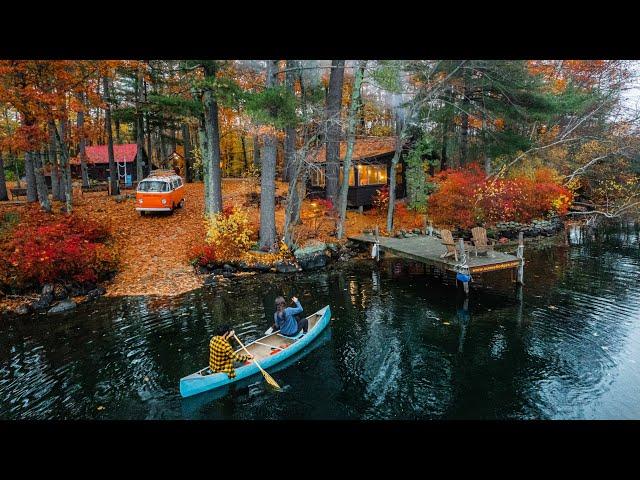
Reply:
x=270, y=380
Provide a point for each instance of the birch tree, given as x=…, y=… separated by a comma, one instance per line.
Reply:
x=352, y=121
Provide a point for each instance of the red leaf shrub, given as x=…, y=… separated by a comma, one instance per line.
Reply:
x=380, y=201
x=466, y=198
x=204, y=255
x=44, y=248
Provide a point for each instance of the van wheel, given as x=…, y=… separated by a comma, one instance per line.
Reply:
x=181, y=204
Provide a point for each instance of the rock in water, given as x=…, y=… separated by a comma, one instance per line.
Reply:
x=43, y=302
x=48, y=288
x=261, y=267
x=61, y=307
x=286, y=267
x=312, y=257
x=95, y=293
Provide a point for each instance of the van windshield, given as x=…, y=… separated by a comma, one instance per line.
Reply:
x=153, y=186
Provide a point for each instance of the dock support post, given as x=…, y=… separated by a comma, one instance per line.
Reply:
x=520, y=255
x=463, y=260
x=375, y=233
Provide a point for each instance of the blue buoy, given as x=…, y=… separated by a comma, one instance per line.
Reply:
x=463, y=278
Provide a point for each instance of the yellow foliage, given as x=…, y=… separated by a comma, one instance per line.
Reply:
x=229, y=233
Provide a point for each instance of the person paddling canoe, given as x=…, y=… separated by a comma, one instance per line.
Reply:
x=284, y=318
x=221, y=355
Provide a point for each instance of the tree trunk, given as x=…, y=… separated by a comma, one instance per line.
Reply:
x=66, y=170
x=400, y=125
x=41, y=185
x=244, y=154
x=268, y=235
x=332, y=119
x=162, y=154
x=290, y=132
x=354, y=108
x=139, y=128
x=188, y=156
x=32, y=194
x=118, y=137
x=464, y=127
x=3, y=181
x=56, y=192
x=148, y=122
x=15, y=166
x=204, y=154
x=82, y=153
x=443, y=151
x=149, y=148
x=214, y=179
x=256, y=152
x=113, y=173
x=295, y=194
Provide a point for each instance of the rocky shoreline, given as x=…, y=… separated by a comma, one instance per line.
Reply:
x=53, y=299
x=59, y=298
x=310, y=258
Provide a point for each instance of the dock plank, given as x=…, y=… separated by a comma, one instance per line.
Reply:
x=427, y=249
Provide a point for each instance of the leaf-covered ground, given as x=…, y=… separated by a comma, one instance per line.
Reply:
x=154, y=250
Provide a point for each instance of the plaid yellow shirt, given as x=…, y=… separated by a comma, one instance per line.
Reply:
x=222, y=356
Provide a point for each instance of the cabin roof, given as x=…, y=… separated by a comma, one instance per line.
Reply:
x=99, y=154
x=364, y=147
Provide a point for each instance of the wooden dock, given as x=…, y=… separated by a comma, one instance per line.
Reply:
x=429, y=250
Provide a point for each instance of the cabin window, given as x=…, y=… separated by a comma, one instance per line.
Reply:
x=372, y=174
x=317, y=177
x=352, y=176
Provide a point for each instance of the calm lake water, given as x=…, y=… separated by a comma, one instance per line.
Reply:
x=401, y=345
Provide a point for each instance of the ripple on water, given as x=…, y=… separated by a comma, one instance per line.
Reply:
x=398, y=348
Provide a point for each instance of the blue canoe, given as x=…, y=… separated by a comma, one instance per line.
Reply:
x=262, y=349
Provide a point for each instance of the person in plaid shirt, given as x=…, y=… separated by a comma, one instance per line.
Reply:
x=221, y=355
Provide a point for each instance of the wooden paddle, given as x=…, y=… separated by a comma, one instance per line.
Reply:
x=267, y=377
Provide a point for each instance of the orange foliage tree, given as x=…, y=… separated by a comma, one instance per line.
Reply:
x=466, y=198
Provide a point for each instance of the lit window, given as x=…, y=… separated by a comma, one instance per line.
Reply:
x=372, y=174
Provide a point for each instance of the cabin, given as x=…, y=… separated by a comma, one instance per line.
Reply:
x=176, y=162
x=98, y=162
x=370, y=170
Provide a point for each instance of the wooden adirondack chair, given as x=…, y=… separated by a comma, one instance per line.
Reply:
x=447, y=241
x=480, y=241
